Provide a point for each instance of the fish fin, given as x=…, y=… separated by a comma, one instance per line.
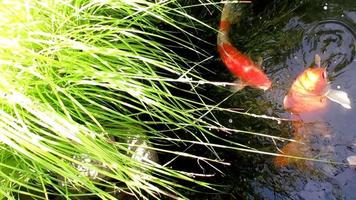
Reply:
x=238, y=85
x=317, y=60
x=351, y=160
x=339, y=97
x=259, y=61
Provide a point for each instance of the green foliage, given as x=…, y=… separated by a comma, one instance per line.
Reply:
x=79, y=80
x=82, y=79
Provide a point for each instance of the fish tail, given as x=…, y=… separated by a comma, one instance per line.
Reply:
x=228, y=16
x=228, y=53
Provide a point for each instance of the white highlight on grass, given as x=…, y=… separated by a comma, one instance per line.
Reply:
x=9, y=43
x=78, y=45
x=86, y=168
x=50, y=119
x=101, y=1
x=114, y=165
x=18, y=133
x=44, y=4
x=137, y=92
x=36, y=140
x=149, y=101
x=29, y=69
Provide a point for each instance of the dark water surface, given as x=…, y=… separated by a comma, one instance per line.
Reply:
x=327, y=28
x=287, y=34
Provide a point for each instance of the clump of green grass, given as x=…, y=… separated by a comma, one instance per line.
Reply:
x=81, y=79
x=77, y=80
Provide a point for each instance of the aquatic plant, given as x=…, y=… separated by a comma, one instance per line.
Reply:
x=86, y=85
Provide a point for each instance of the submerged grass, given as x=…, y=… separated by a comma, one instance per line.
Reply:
x=81, y=79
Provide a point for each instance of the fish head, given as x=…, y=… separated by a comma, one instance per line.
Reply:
x=254, y=76
x=265, y=84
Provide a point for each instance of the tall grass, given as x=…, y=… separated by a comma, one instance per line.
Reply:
x=80, y=80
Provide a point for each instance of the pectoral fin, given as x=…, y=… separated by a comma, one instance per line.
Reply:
x=351, y=160
x=259, y=61
x=238, y=85
x=339, y=97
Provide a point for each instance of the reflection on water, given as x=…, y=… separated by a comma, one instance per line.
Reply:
x=327, y=135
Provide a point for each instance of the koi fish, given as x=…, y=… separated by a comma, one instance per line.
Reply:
x=239, y=64
x=308, y=93
x=311, y=89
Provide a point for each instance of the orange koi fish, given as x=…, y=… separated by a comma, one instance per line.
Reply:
x=311, y=89
x=239, y=64
x=309, y=93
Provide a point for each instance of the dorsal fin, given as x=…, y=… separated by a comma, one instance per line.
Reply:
x=317, y=60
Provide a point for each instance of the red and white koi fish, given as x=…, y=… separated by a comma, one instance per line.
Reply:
x=239, y=64
x=311, y=89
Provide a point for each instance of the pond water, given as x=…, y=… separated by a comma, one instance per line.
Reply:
x=286, y=34
x=288, y=42
x=327, y=28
